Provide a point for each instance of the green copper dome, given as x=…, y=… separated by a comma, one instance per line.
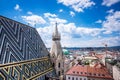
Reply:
x=65, y=52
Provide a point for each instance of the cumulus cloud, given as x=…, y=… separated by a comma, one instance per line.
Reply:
x=72, y=13
x=98, y=21
x=61, y=10
x=109, y=2
x=77, y=5
x=112, y=22
x=33, y=19
x=17, y=8
x=29, y=12
x=49, y=15
x=69, y=31
x=72, y=35
x=94, y=42
x=110, y=11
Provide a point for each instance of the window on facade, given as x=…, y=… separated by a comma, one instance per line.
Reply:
x=98, y=74
x=80, y=78
x=72, y=78
x=84, y=78
x=77, y=72
x=59, y=73
x=76, y=78
x=68, y=77
x=94, y=74
x=90, y=74
x=73, y=71
x=85, y=73
x=103, y=74
x=53, y=64
x=62, y=71
x=81, y=72
x=59, y=65
x=88, y=79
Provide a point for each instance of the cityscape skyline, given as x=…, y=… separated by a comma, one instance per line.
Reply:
x=82, y=23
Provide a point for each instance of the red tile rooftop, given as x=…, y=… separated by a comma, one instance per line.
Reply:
x=99, y=56
x=76, y=70
x=88, y=71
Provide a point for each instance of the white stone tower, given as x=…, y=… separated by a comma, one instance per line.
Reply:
x=56, y=53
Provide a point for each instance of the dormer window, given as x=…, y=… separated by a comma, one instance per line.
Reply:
x=94, y=74
x=98, y=74
x=73, y=71
x=81, y=72
x=90, y=74
x=103, y=74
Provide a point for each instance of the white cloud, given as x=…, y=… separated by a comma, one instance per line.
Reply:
x=88, y=31
x=29, y=12
x=98, y=21
x=94, y=42
x=17, y=7
x=112, y=22
x=109, y=2
x=70, y=33
x=61, y=10
x=69, y=30
x=77, y=5
x=110, y=11
x=49, y=15
x=72, y=13
x=58, y=20
x=34, y=19
x=107, y=32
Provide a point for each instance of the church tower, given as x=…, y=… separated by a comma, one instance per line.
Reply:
x=56, y=53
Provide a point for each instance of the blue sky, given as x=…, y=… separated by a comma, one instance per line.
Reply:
x=82, y=23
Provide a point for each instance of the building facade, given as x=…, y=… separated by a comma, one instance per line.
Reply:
x=86, y=72
x=116, y=72
x=56, y=53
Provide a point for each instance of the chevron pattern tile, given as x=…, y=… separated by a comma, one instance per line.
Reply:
x=23, y=55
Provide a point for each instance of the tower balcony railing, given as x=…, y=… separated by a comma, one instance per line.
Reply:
x=56, y=37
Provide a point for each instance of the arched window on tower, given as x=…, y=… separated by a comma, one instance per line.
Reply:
x=53, y=55
x=58, y=65
x=58, y=73
x=53, y=64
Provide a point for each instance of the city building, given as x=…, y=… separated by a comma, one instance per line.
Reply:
x=86, y=72
x=23, y=55
x=56, y=53
x=116, y=71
